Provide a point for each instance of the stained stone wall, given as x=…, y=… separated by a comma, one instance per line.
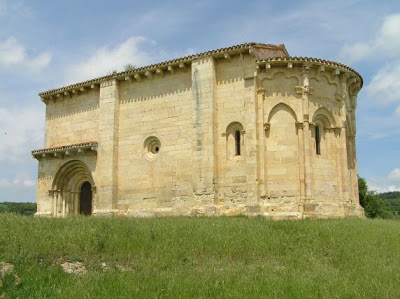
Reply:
x=222, y=133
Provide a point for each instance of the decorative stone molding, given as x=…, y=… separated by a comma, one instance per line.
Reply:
x=304, y=89
x=65, y=150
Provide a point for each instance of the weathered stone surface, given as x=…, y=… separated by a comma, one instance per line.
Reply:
x=219, y=133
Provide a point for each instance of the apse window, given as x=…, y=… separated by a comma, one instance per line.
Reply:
x=151, y=147
x=237, y=143
x=317, y=140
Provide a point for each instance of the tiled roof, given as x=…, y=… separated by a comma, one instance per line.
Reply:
x=312, y=60
x=189, y=58
x=65, y=147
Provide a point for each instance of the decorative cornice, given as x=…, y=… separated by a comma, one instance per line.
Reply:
x=65, y=150
x=322, y=64
x=169, y=65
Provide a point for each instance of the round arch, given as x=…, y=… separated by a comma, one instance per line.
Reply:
x=67, y=185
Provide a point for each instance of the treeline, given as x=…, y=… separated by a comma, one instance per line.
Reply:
x=22, y=208
x=378, y=205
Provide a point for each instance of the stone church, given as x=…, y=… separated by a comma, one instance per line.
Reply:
x=245, y=129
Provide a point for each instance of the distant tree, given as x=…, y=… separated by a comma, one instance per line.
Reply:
x=23, y=208
x=129, y=67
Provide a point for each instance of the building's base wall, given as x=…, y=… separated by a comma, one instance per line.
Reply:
x=279, y=210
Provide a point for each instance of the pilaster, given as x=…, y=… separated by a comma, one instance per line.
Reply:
x=205, y=172
x=107, y=155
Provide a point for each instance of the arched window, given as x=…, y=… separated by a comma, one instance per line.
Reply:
x=237, y=143
x=317, y=140
x=234, y=140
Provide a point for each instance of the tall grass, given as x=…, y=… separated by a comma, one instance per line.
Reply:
x=202, y=257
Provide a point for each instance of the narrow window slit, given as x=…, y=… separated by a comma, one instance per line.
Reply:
x=317, y=141
x=237, y=143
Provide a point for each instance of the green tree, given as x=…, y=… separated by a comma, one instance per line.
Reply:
x=374, y=207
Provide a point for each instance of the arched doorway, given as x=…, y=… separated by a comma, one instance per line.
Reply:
x=72, y=190
x=85, y=200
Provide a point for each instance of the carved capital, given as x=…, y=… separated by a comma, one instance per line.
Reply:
x=299, y=125
x=312, y=125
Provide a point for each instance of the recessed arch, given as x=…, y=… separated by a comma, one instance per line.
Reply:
x=279, y=107
x=235, y=139
x=324, y=116
x=66, y=187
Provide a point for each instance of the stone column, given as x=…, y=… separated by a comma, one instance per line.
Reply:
x=306, y=133
x=205, y=172
x=261, y=144
x=107, y=153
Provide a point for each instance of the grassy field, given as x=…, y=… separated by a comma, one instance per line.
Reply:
x=200, y=257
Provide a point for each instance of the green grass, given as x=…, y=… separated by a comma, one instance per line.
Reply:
x=202, y=257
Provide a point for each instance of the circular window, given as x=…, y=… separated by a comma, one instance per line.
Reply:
x=151, y=146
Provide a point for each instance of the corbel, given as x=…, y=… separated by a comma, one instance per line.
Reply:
x=58, y=95
x=267, y=126
x=74, y=91
x=93, y=86
x=171, y=69
x=81, y=151
x=149, y=74
x=227, y=57
x=82, y=89
x=57, y=155
x=160, y=72
x=182, y=66
x=128, y=78
x=66, y=93
x=290, y=65
x=44, y=100
x=69, y=153
x=267, y=67
x=335, y=72
x=138, y=77
x=93, y=148
x=320, y=70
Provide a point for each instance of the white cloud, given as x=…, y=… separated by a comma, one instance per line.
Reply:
x=389, y=36
x=386, y=43
x=15, y=8
x=385, y=84
x=15, y=55
x=17, y=182
x=397, y=112
x=107, y=59
x=355, y=52
x=386, y=184
x=22, y=130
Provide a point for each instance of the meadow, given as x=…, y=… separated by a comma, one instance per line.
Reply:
x=183, y=257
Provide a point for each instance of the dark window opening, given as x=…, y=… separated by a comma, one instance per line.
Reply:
x=237, y=143
x=317, y=141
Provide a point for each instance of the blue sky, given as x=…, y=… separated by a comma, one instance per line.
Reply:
x=48, y=44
